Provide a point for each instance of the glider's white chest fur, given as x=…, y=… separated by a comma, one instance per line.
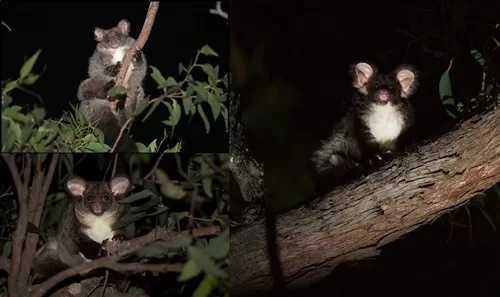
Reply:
x=99, y=226
x=385, y=122
x=118, y=55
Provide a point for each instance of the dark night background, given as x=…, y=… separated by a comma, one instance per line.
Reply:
x=298, y=94
x=64, y=32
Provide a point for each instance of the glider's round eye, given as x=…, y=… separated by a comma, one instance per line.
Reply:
x=105, y=198
x=89, y=198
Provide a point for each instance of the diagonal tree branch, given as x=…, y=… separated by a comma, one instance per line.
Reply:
x=355, y=220
x=138, y=45
x=140, y=42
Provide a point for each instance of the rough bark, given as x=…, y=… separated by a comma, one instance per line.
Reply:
x=247, y=172
x=355, y=220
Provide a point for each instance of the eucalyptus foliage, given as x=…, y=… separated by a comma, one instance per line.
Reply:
x=30, y=131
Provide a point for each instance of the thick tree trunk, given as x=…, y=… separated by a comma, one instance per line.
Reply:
x=355, y=220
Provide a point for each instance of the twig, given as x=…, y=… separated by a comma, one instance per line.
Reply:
x=135, y=267
x=22, y=225
x=105, y=283
x=119, y=251
x=218, y=10
x=115, y=162
x=179, y=167
x=193, y=194
x=121, y=133
x=154, y=167
x=212, y=165
x=140, y=42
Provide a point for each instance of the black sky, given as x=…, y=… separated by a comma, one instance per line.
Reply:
x=64, y=32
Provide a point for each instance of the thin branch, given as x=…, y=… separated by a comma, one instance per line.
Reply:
x=121, y=133
x=21, y=228
x=137, y=267
x=212, y=165
x=194, y=194
x=218, y=10
x=119, y=251
x=154, y=167
x=115, y=163
x=140, y=42
x=179, y=167
x=107, y=169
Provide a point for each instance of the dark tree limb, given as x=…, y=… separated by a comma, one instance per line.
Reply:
x=355, y=220
x=247, y=172
x=119, y=251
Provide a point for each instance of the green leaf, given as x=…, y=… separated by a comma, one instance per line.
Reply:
x=180, y=68
x=219, y=246
x=137, y=196
x=170, y=110
x=208, y=51
x=204, y=261
x=445, y=88
x=161, y=176
x=14, y=114
x=146, y=206
x=209, y=70
x=117, y=90
x=16, y=129
x=176, y=112
x=225, y=115
x=140, y=107
x=27, y=132
x=189, y=271
x=187, y=104
x=172, y=190
x=201, y=93
x=203, y=117
x=449, y=101
x=11, y=85
x=31, y=79
x=129, y=219
x=478, y=57
x=156, y=75
x=206, y=182
x=153, y=146
x=205, y=287
x=98, y=147
x=158, y=211
x=142, y=148
x=168, y=83
x=7, y=249
x=28, y=65
x=215, y=105
x=156, y=102
x=38, y=114
x=445, y=85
